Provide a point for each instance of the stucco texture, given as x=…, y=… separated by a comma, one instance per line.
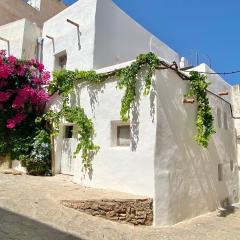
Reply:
x=12, y=10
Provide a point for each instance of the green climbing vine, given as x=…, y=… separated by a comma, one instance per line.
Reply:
x=204, y=123
x=128, y=79
x=64, y=83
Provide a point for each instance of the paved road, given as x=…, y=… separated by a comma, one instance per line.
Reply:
x=30, y=210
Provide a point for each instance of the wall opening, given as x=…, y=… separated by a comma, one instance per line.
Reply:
x=68, y=131
x=231, y=165
x=120, y=134
x=60, y=61
x=123, y=135
x=220, y=172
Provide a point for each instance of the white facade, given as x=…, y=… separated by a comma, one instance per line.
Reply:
x=163, y=161
x=19, y=38
x=107, y=36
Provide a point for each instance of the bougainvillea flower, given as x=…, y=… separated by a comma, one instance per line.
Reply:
x=4, y=96
x=5, y=71
x=21, y=88
x=12, y=59
x=17, y=119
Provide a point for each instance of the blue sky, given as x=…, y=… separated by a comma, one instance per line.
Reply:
x=207, y=27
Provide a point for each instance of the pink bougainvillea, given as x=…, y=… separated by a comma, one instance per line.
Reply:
x=21, y=89
x=18, y=118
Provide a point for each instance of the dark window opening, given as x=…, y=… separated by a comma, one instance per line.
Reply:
x=68, y=132
x=220, y=172
x=123, y=135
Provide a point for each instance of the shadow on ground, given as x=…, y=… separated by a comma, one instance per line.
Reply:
x=17, y=227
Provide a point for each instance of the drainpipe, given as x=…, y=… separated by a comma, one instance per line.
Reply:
x=40, y=49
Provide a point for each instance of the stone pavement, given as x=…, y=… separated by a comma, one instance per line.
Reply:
x=30, y=209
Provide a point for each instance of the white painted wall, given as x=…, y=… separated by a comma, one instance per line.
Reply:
x=236, y=112
x=167, y=164
x=127, y=169
x=118, y=38
x=13, y=32
x=31, y=34
x=65, y=36
x=186, y=178
x=22, y=36
x=108, y=37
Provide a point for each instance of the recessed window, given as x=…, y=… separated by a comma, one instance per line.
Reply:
x=120, y=134
x=219, y=117
x=220, y=172
x=123, y=135
x=231, y=165
x=68, y=132
x=225, y=120
x=61, y=60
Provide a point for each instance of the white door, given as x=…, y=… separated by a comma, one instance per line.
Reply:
x=68, y=149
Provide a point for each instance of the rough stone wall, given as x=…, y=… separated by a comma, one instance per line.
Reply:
x=5, y=163
x=137, y=212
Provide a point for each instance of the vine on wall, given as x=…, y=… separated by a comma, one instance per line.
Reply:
x=128, y=79
x=64, y=82
x=205, y=120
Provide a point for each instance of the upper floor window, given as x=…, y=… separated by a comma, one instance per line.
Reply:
x=60, y=60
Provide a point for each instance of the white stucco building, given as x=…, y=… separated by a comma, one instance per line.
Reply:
x=160, y=159
x=153, y=155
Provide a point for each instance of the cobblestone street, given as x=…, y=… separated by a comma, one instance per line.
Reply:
x=30, y=209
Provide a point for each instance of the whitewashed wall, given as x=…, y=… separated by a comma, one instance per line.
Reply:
x=167, y=164
x=22, y=36
x=118, y=38
x=9, y=32
x=108, y=37
x=186, y=175
x=12, y=10
x=236, y=112
x=127, y=169
x=66, y=38
x=31, y=34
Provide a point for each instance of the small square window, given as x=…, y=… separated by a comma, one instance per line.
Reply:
x=61, y=60
x=123, y=135
x=68, y=133
x=220, y=172
x=120, y=134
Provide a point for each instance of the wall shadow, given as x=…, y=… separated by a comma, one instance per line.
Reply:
x=191, y=170
x=16, y=226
